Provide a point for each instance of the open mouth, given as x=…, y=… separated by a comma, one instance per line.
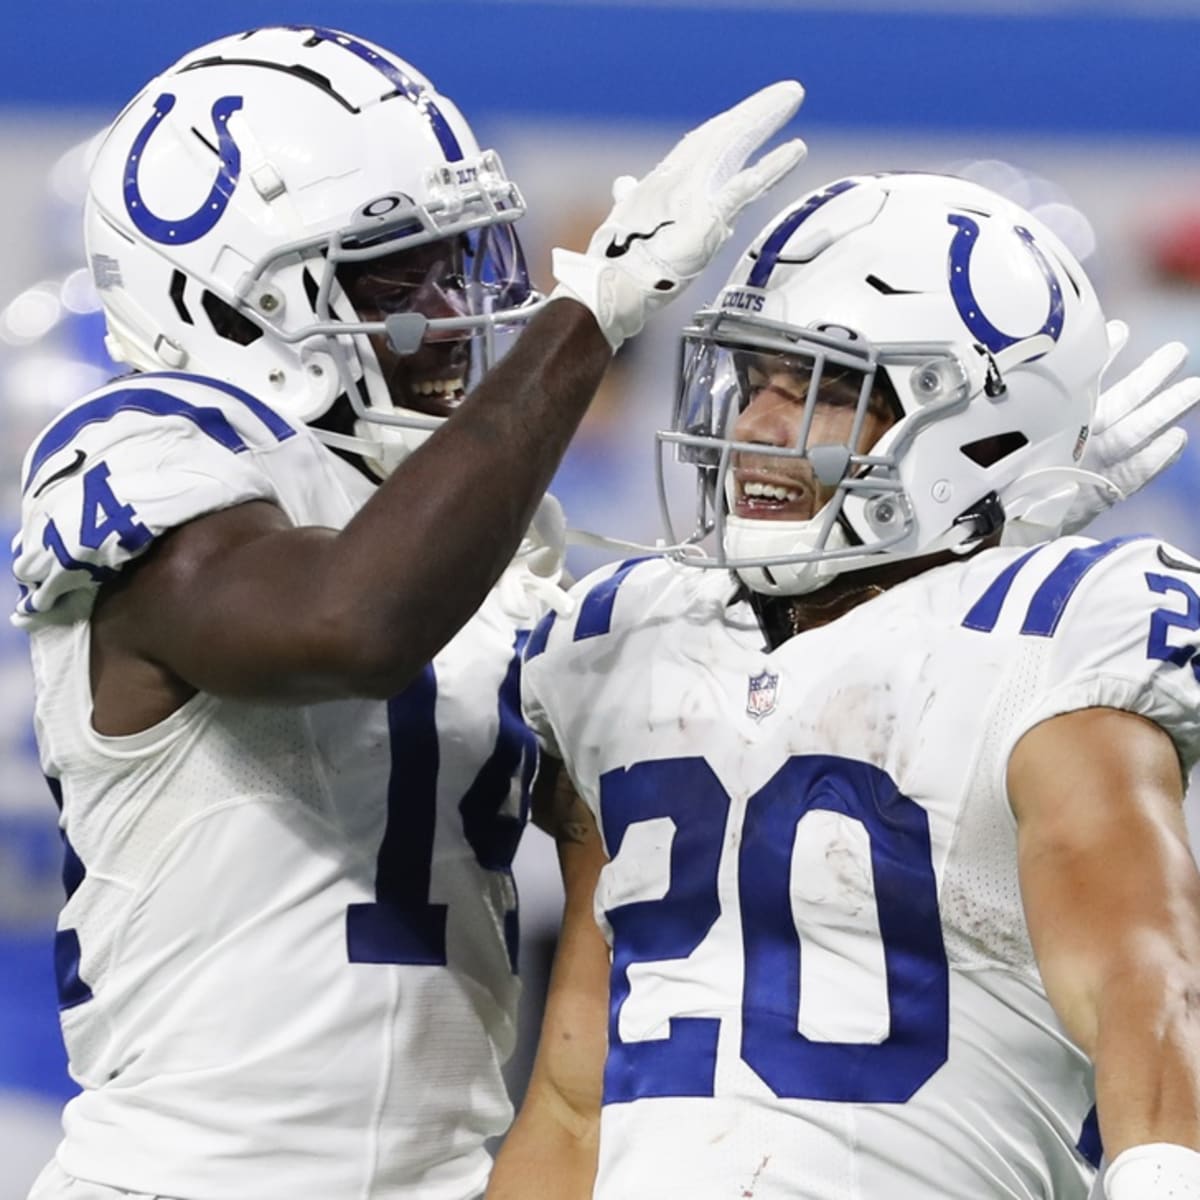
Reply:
x=771, y=497
x=437, y=396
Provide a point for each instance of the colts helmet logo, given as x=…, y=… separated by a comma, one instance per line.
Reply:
x=962, y=248
x=185, y=229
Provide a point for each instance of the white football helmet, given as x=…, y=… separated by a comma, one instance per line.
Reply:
x=300, y=213
x=943, y=299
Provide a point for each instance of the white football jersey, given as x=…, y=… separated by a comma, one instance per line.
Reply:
x=286, y=960
x=822, y=983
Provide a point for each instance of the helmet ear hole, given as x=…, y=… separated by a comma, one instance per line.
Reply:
x=227, y=322
x=988, y=451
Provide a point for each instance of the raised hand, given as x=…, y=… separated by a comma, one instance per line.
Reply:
x=664, y=229
x=1135, y=433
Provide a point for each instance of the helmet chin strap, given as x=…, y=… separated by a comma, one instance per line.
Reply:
x=1073, y=474
x=601, y=541
x=1038, y=514
x=382, y=447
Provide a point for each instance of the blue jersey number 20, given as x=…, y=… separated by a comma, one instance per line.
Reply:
x=792, y=1065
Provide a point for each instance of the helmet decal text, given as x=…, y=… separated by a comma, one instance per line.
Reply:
x=746, y=301
x=106, y=272
x=962, y=247
x=180, y=231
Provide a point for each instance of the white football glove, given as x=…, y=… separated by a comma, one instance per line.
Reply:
x=664, y=229
x=1134, y=437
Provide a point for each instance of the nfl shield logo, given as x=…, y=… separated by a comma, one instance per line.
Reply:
x=760, y=699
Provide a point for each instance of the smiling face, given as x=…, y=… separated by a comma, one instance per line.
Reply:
x=776, y=488
x=429, y=280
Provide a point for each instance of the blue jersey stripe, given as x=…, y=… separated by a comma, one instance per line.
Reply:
x=1050, y=600
x=73, y=870
x=210, y=421
x=25, y=603
x=539, y=637
x=275, y=424
x=985, y=612
x=408, y=88
x=72, y=990
x=595, y=614
x=768, y=256
x=1089, y=1144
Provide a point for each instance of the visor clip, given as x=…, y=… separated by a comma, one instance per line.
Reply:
x=267, y=182
x=169, y=352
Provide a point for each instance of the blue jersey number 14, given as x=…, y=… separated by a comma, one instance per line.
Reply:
x=403, y=925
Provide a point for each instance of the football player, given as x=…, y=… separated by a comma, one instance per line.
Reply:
x=290, y=795
x=882, y=817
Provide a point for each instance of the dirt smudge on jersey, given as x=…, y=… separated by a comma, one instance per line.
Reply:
x=859, y=721
x=748, y=1190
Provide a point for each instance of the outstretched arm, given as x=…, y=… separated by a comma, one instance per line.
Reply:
x=240, y=604
x=1112, y=899
x=553, y=1145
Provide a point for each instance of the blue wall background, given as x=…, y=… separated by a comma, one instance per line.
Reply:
x=1077, y=70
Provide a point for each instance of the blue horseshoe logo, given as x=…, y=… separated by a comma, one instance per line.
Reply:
x=186, y=229
x=961, y=249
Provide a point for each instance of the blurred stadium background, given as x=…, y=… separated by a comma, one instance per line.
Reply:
x=1088, y=113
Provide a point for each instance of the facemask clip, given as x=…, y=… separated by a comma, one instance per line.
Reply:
x=405, y=332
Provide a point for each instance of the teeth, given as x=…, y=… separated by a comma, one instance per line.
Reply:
x=769, y=491
x=438, y=387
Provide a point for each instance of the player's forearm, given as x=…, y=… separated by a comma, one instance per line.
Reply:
x=551, y=1150
x=419, y=558
x=555, y=1139
x=1147, y=1053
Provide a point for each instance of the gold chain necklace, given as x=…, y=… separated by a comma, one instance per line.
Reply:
x=809, y=614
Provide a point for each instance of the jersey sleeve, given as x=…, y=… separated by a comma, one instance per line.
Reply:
x=117, y=471
x=554, y=670
x=570, y=656
x=537, y=683
x=1124, y=633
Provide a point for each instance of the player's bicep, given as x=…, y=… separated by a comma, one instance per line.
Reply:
x=235, y=603
x=1107, y=877
x=557, y=807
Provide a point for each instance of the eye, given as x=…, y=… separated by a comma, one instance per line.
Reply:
x=836, y=398
x=756, y=379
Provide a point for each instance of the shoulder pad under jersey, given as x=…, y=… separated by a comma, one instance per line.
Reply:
x=130, y=461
